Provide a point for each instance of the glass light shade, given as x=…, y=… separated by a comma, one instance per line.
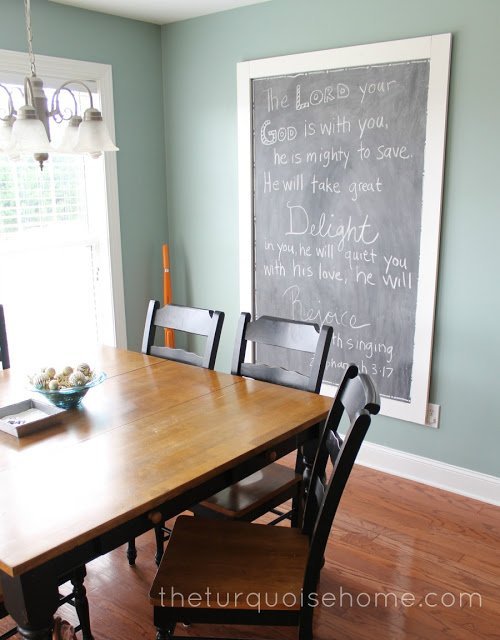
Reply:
x=28, y=133
x=93, y=135
x=69, y=137
x=6, y=134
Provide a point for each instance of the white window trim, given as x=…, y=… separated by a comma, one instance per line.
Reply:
x=50, y=67
x=435, y=48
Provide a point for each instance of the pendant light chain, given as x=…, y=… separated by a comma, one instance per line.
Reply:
x=29, y=35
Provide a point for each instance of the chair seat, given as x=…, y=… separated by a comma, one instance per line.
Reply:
x=219, y=559
x=248, y=495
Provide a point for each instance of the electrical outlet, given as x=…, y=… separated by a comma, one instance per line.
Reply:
x=432, y=415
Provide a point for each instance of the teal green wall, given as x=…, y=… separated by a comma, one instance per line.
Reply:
x=199, y=70
x=197, y=89
x=134, y=50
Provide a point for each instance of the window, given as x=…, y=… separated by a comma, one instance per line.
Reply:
x=60, y=255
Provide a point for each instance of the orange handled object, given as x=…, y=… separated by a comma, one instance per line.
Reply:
x=167, y=294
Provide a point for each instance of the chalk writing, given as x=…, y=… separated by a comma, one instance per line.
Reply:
x=338, y=172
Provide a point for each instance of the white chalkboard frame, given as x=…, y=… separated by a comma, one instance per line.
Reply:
x=437, y=49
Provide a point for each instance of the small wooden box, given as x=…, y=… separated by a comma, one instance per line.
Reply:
x=52, y=415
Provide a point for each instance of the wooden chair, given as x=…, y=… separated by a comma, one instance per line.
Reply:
x=4, y=346
x=227, y=572
x=77, y=597
x=201, y=322
x=272, y=486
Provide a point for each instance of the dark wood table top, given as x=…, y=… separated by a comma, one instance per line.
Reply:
x=151, y=431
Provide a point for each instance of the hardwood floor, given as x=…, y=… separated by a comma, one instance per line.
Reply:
x=391, y=536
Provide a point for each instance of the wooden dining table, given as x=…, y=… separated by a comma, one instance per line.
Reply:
x=153, y=439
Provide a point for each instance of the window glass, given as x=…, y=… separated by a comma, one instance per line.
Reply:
x=51, y=235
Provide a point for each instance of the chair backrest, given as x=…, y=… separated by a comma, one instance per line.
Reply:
x=287, y=334
x=358, y=398
x=202, y=322
x=4, y=346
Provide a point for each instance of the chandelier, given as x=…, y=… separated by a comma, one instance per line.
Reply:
x=27, y=130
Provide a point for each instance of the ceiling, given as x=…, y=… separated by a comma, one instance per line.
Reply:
x=159, y=11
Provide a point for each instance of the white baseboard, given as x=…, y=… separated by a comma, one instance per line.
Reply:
x=472, y=484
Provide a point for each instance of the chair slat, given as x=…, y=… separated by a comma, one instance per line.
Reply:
x=188, y=319
x=178, y=355
x=288, y=334
x=276, y=375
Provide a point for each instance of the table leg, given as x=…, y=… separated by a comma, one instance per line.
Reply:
x=31, y=599
x=131, y=552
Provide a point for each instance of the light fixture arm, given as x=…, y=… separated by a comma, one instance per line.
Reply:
x=10, y=105
x=28, y=91
x=55, y=109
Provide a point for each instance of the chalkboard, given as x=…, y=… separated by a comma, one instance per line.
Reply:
x=339, y=168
